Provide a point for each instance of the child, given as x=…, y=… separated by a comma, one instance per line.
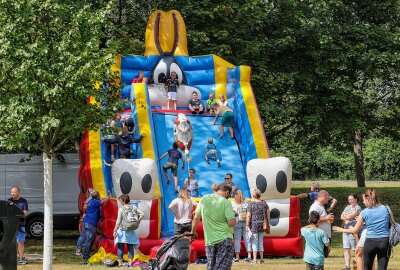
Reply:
x=140, y=78
x=195, y=105
x=222, y=101
x=227, y=119
x=172, y=85
x=315, y=242
x=173, y=157
x=211, y=150
x=191, y=184
x=210, y=103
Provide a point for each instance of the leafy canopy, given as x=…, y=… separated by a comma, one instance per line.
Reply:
x=53, y=53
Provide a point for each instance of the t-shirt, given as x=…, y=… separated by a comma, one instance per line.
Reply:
x=314, y=248
x=92, y=212
x=215, y=211
x=240, y=210
x=21, y=203
x=211, y=146
x=210, y=103
x=195, y=103
x=183, y=210
x=172, y=85
x=377, y=221
x=348, y=210
x=192, y=184
x=223, y=109
x=258, y=212
x=137, y=80
x=326, y=225
x=174, y=155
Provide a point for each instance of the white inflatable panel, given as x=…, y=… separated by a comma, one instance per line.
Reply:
x=279, y=211
x=144, y=227
x=158, y=95
x=135, y=177
x=272, y=176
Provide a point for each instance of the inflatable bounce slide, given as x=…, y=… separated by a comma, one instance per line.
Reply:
x=245, y=157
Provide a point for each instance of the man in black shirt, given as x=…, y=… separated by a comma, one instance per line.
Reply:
x=23, y=204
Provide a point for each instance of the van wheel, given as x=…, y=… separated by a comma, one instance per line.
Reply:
x=35, y=227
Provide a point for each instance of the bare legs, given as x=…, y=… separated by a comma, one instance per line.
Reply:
x=221, y=131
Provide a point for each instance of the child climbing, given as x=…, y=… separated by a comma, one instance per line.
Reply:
x=211, y=151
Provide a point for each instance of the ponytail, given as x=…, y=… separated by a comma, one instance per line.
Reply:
x=372, y=197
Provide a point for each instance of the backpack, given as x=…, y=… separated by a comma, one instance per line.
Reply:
x=394, y=230
x=130, y=219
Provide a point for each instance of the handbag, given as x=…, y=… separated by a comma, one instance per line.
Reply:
x=266, y=225
x=394, y=230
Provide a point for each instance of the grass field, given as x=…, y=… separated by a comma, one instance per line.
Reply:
x=64, y=242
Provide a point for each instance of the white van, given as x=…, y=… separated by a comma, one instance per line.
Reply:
x=28, y=175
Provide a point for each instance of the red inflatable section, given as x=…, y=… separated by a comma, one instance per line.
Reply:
x=84, y=174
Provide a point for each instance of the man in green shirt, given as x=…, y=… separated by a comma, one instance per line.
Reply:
x=218, y=219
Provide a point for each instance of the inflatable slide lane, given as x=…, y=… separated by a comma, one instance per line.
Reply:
x=246, y=156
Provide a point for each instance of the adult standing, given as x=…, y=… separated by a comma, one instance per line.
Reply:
x=257, y=213
x=182, y=207
x=313, y=195
x=125, y=235
x=349, y=215
x=228, y=180
x=239, y=206
x=218, y=218
x=377, y=219
x=23, y=204
x=90, y=220
x=173, y=157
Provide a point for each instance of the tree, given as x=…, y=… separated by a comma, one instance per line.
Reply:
x=51, y=60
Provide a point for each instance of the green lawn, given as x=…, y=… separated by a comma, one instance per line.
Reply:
x=64, y=243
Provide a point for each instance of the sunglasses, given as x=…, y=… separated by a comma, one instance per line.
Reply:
x=227, y=178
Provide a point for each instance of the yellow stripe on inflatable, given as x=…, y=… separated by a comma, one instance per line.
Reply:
x=220, y=67
x=144, y=126
x=166, y=33
x=96, y=163
x=253, y=114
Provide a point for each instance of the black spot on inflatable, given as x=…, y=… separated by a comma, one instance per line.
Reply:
x=125, y=183
x=275, y=216
x=146, y=183
x=261, y=183
x=281, y=181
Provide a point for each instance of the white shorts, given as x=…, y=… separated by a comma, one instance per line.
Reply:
x=172, y=96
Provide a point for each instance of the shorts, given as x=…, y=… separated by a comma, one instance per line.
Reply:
x=349, y=241
x=227, y=119
x=310, y=266
x=172, y=96
x=182, y=228
x=172, y=166
x=21, y=234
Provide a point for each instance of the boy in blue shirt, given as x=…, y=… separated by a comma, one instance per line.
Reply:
x=211, y=150
x=315, y=242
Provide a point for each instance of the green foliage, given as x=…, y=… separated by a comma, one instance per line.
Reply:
x=382, y=160
x=52, y=55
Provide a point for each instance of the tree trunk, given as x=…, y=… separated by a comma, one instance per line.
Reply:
x=359, y=159
x=48, y=212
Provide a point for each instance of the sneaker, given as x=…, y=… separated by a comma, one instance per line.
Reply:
x=346, y=268
x=22, y=261
x=78, y=253
x=85, y=262
x=261, y=261
x=219, y=164
x=112, y=158
x=208, y=162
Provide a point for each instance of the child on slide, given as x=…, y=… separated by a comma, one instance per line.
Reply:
x=211, y=151
x=172, y=85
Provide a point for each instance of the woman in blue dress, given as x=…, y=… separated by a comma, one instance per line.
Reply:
x=123, y=235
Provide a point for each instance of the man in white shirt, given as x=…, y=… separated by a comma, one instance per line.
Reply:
x=325, y=220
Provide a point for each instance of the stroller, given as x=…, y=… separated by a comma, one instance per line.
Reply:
x=173, y=254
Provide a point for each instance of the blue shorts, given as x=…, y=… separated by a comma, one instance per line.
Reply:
x=349, y=241
x=21, y=234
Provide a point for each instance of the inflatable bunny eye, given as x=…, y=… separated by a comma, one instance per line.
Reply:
x=160, y=74
x=271, y=176
x=175, y=68
x=135, y=177
x=279, y=216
